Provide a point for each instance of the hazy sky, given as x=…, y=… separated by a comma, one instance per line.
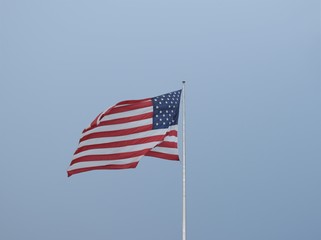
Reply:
x=253, y=117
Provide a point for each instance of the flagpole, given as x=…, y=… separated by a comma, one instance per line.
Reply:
x=184, y=168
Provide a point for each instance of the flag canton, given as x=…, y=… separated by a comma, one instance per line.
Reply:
x=166, y=109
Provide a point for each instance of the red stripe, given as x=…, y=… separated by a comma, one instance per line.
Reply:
x=93, y=124
x=130, y=107
x=126, y=119
x=116, y=133
x=172, y=133
x=132, y=101
x=114, y=166
x=106, y=157
x=121, y=143
x=168, y=144
x=163, y=155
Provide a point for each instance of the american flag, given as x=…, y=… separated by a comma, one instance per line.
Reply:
x=120, y=136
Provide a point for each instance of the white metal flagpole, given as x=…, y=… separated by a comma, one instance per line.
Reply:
x=184, y=168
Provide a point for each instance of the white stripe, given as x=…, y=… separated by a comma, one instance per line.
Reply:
x=173, y=151
x=173, y=127
x=127, y=104
x=120, y=126
x=127, y=113
x=103, y=163
x=123, y=138
x=103, y=151
x=170, y=139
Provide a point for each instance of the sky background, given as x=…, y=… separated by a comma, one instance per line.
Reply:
x=253, y=103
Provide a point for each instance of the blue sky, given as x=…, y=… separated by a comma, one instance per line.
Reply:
x=253, y=117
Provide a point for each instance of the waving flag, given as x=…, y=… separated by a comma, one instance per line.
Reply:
x=120, y=136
